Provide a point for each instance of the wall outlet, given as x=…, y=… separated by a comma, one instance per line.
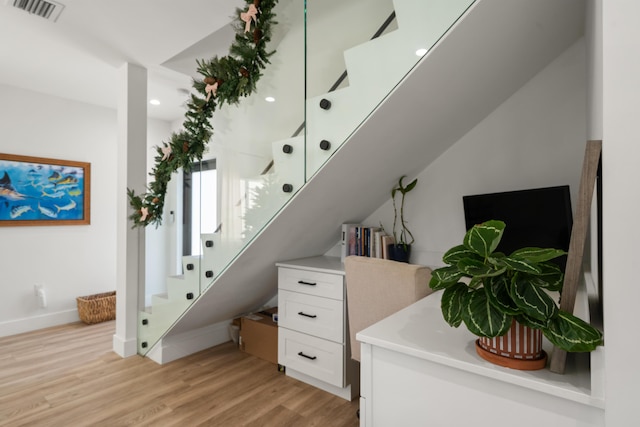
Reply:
x=41, y=295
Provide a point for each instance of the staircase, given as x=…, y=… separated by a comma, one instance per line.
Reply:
x=397, y=120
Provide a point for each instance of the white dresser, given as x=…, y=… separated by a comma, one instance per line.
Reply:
x=312, y=325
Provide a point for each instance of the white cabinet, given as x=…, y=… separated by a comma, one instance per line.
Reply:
x=417, y=370
x=312, y=325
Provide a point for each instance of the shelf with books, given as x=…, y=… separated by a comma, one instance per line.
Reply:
x=362, y=240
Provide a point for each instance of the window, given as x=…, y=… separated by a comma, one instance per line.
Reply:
x=200, y=205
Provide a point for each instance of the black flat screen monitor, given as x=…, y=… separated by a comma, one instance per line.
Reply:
x=539, y=217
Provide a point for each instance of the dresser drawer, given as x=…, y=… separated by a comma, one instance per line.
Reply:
x=311, y=282
x=314, y=356
x=321, y=317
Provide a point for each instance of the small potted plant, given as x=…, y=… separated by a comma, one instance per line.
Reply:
x=401, y=249
x=504, y=298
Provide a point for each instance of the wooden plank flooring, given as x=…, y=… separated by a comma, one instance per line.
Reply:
x=68, y=376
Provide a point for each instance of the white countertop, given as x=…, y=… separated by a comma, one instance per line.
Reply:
x=420, y=331
x=322, y=264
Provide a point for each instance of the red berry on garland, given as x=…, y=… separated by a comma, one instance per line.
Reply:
x=185, y=147
x=244, y=72
x=209, y=80
x=256, y=3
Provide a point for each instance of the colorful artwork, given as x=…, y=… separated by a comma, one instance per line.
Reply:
x=38, y=191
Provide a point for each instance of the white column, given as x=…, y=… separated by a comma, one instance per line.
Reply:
x=621, y=204
x=131, y=173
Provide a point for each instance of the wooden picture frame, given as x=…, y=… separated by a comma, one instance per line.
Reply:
x=36, y=191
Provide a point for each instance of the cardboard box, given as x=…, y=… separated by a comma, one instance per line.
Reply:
x=259, y=335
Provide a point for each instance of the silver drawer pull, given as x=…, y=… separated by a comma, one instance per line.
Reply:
x=302, y=282
x=302, y=313
x=308, y=357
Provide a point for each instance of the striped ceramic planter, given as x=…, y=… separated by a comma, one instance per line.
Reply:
x=519, y=348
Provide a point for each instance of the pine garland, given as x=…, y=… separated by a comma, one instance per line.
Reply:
x=225, y=80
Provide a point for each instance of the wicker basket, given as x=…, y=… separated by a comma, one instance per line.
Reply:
x=97, y=308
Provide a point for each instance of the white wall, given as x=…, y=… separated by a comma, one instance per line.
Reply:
x=593, y=37
x=621, y=204
x=70, y=261
x=534, y=139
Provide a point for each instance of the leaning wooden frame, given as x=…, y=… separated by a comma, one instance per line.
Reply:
x=575, y=254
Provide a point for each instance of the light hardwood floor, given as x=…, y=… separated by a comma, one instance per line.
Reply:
x=68, y=376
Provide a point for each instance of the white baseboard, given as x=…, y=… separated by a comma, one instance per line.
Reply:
x=123, y=347
x=28, y=324
x=178, y=346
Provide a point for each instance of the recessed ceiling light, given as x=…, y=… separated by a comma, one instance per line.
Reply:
x=270, y=99
x=154, y=102
x=421, y=52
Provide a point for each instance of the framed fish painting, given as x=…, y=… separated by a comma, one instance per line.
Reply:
x=39, y=191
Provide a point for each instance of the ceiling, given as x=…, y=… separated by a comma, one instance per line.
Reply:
x=78, y=56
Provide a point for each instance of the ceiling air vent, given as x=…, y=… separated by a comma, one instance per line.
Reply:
x=45, y=9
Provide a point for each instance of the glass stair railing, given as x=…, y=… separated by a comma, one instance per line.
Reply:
x=374, y=69
x=257, y=176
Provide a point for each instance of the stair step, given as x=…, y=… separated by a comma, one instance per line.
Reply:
x=216, y=255
x=179, y=286
x=168, y=309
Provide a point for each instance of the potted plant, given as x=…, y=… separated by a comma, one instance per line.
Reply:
x=494, y=293
x=400, y=250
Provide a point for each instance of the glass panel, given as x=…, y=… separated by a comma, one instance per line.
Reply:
x=259, y=167
x=203, y=206
x=163, y=298
x=260, y=160
x=373, y=67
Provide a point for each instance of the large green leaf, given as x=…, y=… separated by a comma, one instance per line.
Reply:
x=458, y=253
x=521, y=265
x=572, y=334
x=550, y=278
x=497, y=289
x=537, y=255
x=482, y=318
x=531, y=322
x=496, y=259
x=549, y=269
x=475, y=268
x=452, y=303
x=483, y=238
x=532, y=300
x=444, y=277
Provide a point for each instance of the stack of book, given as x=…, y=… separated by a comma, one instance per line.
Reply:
x=360, y=240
